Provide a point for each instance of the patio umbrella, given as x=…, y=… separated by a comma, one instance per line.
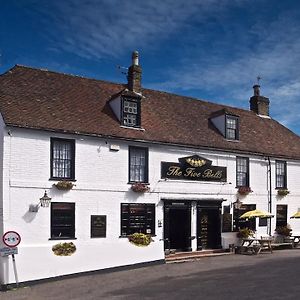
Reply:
x=296, y=215
x=256, y=214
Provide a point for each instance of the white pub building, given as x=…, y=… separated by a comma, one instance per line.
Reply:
x=87, y=163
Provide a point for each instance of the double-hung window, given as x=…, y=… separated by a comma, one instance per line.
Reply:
x=281, y=182
x=62, y=220
x=62, y=159
x=131, y=113
x=242, y=171
x=232, y=132
x=138, y=164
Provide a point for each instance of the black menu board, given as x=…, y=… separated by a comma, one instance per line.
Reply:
x=98, y=226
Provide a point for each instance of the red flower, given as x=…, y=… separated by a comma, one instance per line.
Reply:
x=140, y=187
x=244, y=190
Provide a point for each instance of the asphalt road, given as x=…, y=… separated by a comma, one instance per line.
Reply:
x=265, y=276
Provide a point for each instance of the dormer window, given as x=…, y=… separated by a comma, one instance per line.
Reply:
x=131, y=112
x=232, y=129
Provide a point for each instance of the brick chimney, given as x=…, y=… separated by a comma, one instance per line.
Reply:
x=259, y=104
x=135, y=74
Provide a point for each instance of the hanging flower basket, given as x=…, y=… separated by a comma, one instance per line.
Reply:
x=140, y=239
x=64, y=249
x=140, y=187
x=64, y=185
x=282, y=192
x=244, y=190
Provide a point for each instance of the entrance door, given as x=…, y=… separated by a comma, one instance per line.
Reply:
x=208, y=228
x=177, y=226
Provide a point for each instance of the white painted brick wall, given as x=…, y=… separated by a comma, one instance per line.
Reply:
x=101, y=185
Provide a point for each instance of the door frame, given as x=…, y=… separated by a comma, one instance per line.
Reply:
x=206, y=205
x=176, y=204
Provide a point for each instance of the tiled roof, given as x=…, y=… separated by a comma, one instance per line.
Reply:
x=40, y=99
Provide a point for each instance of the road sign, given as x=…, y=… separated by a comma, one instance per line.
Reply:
x=8, y=251
x=11, y=239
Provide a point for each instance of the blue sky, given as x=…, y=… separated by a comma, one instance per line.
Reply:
x=208, y=49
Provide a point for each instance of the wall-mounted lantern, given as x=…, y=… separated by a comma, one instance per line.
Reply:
x=44, y=202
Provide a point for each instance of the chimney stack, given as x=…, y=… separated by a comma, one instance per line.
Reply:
x=259, y=104
x=135, y=74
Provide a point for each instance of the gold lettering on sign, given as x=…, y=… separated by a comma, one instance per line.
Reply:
x=174, y=171
x=209, y=173
x=190, y=172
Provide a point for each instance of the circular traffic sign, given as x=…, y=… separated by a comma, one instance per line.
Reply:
x=11, y=239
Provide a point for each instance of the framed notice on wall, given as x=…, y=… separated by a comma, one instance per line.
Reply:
x=98, y=226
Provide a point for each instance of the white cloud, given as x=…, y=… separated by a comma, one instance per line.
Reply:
x=96, y=29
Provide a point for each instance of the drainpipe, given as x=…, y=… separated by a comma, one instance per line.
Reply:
x=270, y=194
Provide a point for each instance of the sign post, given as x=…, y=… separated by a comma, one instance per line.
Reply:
x=11, y=239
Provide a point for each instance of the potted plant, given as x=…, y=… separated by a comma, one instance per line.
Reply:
x=284, y=230
x=282, y=234
x=244, y=190
x=282, y=192
x=64, y=185
x=140, y=239
x=140, y=187
x=244, y=233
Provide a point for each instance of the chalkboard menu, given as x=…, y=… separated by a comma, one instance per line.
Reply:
x=137, y=217
x=204, y=231
x=98, y=226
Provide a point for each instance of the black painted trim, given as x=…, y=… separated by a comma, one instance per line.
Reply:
x=146, y=179
x=72, y=142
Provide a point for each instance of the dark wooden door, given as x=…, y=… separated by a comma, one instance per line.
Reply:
x=208, y=228
x=177, y=227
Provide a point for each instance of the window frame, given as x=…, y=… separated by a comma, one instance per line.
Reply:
x=236, y=130
x=72, y=224
x=277, y=162
x=146, y=167
x=247, y=173
x=72, y=167
x=125, y=222
x=137, y=114
x=281, y=221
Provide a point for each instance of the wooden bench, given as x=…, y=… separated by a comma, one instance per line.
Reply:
x=282, y=242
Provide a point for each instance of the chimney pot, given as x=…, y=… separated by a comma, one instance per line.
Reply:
x=135, y=74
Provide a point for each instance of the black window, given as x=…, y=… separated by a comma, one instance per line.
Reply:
x=138, y=164
x=131, y=112
x=281, y=215
x=232, y=129
x=137, y=218
x=242, y=171
x=281, y=181
x=62, y=159
x=62, y=220
x=243, y=223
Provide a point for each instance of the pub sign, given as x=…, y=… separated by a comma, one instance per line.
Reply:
x=194, y=168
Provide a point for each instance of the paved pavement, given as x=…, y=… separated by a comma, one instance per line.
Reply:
x=264, y=276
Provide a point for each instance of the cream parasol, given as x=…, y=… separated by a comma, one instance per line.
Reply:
x=256, y=214
x=296, y=215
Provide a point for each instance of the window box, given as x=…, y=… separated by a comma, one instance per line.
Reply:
x=140, y=187
x=64, y=185
x=244, y=190
x=282, y=192
x=140, y=239
x=64, y=249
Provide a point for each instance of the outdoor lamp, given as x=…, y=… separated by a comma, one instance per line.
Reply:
x=44, y=202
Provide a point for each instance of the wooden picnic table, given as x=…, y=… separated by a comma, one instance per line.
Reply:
x=255, y=245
